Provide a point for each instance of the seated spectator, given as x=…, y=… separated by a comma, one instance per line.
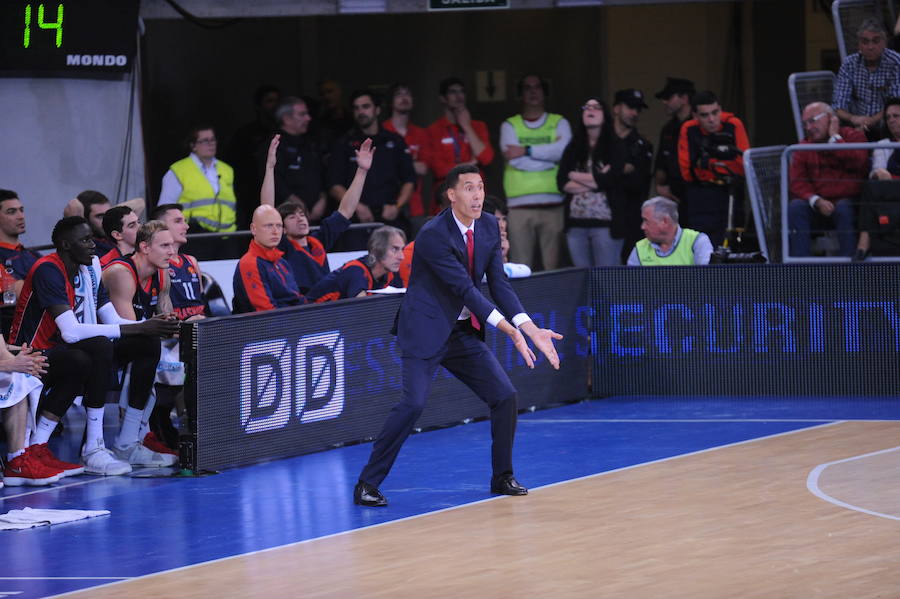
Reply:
x=866, y=78
x=20, y=391
x=497, y=207
x=665, y=242
x=202, y=184
x=824, y=185
x=376, y=270
x=879, y=211
x=390, y=185
x=60, y=311
x=263, y=279
x=120, y=224
x=16, y=259
x=307, y=254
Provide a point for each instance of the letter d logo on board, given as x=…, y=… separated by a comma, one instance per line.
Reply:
x=265, y=385
x=319, y=381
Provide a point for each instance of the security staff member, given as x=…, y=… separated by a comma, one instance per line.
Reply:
x=203, y=185
x=676, y=98
x=666, y=243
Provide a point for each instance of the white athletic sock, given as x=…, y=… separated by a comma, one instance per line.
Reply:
x=94, y=430
x=45, y=428
x=11, y=456
x=145, y=416
x=131, y=424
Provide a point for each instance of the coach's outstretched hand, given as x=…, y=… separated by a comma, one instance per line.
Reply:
x=542, y=339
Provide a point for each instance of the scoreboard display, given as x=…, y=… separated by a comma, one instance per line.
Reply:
x=67, y=38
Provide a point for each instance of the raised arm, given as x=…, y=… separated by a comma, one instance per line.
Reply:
x=267, y=191
x=350, y=199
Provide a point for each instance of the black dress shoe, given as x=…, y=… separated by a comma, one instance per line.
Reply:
x=367, y=495
x=505, y=484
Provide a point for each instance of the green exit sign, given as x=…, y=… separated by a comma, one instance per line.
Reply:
x=466, y=4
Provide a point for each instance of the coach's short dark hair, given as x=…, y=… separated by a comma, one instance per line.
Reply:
x=456, y=171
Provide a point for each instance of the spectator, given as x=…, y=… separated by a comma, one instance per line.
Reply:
x=202, y=184
x=333, y=117
x=497, y=207
x=62, y=303
x=263, y=279
x=376, y=270
x=389, y=186
x=185, y=277
x=709, y=154
x=416, y=139
x=17, y=260
x=20, y=391
x=120, y=224
x=665, y=242
x=825, y=183
x=595, y=224
x=242, y=150
x=886, y=161
x=866, y=78
x=631, y=156
x=298, y=172
x=305, y=253
x=676, y=97
x=455, y=138
x=533, y=143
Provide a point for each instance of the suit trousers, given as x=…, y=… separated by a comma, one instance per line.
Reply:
x=469, y=360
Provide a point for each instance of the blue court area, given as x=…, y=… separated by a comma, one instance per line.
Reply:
x=160, y=523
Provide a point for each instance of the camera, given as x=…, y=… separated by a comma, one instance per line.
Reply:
x=721, y=255
x=718, y=146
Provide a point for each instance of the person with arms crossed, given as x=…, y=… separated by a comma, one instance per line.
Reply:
x=441, y=323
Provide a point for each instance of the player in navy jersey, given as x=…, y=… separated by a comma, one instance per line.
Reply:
x=376, y=270
x=307, y=253
x=120, y=223
x=185, y=277
x=138, y=283
x=16, y=259
x=64, y=310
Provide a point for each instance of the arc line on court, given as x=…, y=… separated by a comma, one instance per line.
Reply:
x=812, y=484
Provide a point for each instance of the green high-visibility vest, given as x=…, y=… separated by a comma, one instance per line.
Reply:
x=682, y=256
x=212, y=211
x=521, y=183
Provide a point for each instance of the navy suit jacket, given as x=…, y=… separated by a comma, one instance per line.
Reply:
x=440, y=284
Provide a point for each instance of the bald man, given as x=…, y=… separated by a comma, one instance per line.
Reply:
x=263, y=280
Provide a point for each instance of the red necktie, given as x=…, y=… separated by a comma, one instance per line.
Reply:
x=470, y=248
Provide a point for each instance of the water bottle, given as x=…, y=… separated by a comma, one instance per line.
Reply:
x=7, y=282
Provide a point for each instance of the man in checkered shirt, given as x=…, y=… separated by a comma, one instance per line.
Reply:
x=866, y=78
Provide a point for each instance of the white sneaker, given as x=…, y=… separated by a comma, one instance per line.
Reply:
x=137, y=454
x=102, y=461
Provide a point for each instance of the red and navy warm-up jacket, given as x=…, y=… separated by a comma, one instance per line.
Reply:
x=263, y=281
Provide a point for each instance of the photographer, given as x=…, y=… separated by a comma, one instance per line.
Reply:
x=709, y=154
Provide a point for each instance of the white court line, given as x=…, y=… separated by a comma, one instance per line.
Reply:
x=48, y=488
x=449, y=509
x=65, y=577
x=812, y=483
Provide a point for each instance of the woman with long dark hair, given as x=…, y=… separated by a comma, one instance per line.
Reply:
x=585, y=175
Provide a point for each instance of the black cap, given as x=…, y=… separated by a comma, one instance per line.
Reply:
x=674, y=85
x=632, y=97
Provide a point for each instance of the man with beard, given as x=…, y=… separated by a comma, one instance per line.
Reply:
x=390, y=183
x=16, y=259
x=631, y=155
x=401, y=103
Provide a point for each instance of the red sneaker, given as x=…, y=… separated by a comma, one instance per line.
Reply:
x=153, y=443
x=43, y=454
x=26, y=469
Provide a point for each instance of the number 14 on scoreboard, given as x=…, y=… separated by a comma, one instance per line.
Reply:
x=41, y=23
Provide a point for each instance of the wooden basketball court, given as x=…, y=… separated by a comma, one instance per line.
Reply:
x=743, y=520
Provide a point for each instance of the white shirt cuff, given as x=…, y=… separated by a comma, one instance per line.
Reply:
x=812, y=201
x=520, y=318
x=494, y=318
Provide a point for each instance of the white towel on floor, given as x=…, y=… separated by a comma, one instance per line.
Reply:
x=30, y=517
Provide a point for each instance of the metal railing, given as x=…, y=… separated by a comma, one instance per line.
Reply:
x=762, y=168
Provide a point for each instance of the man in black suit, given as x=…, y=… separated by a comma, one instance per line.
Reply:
x=441, y=323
